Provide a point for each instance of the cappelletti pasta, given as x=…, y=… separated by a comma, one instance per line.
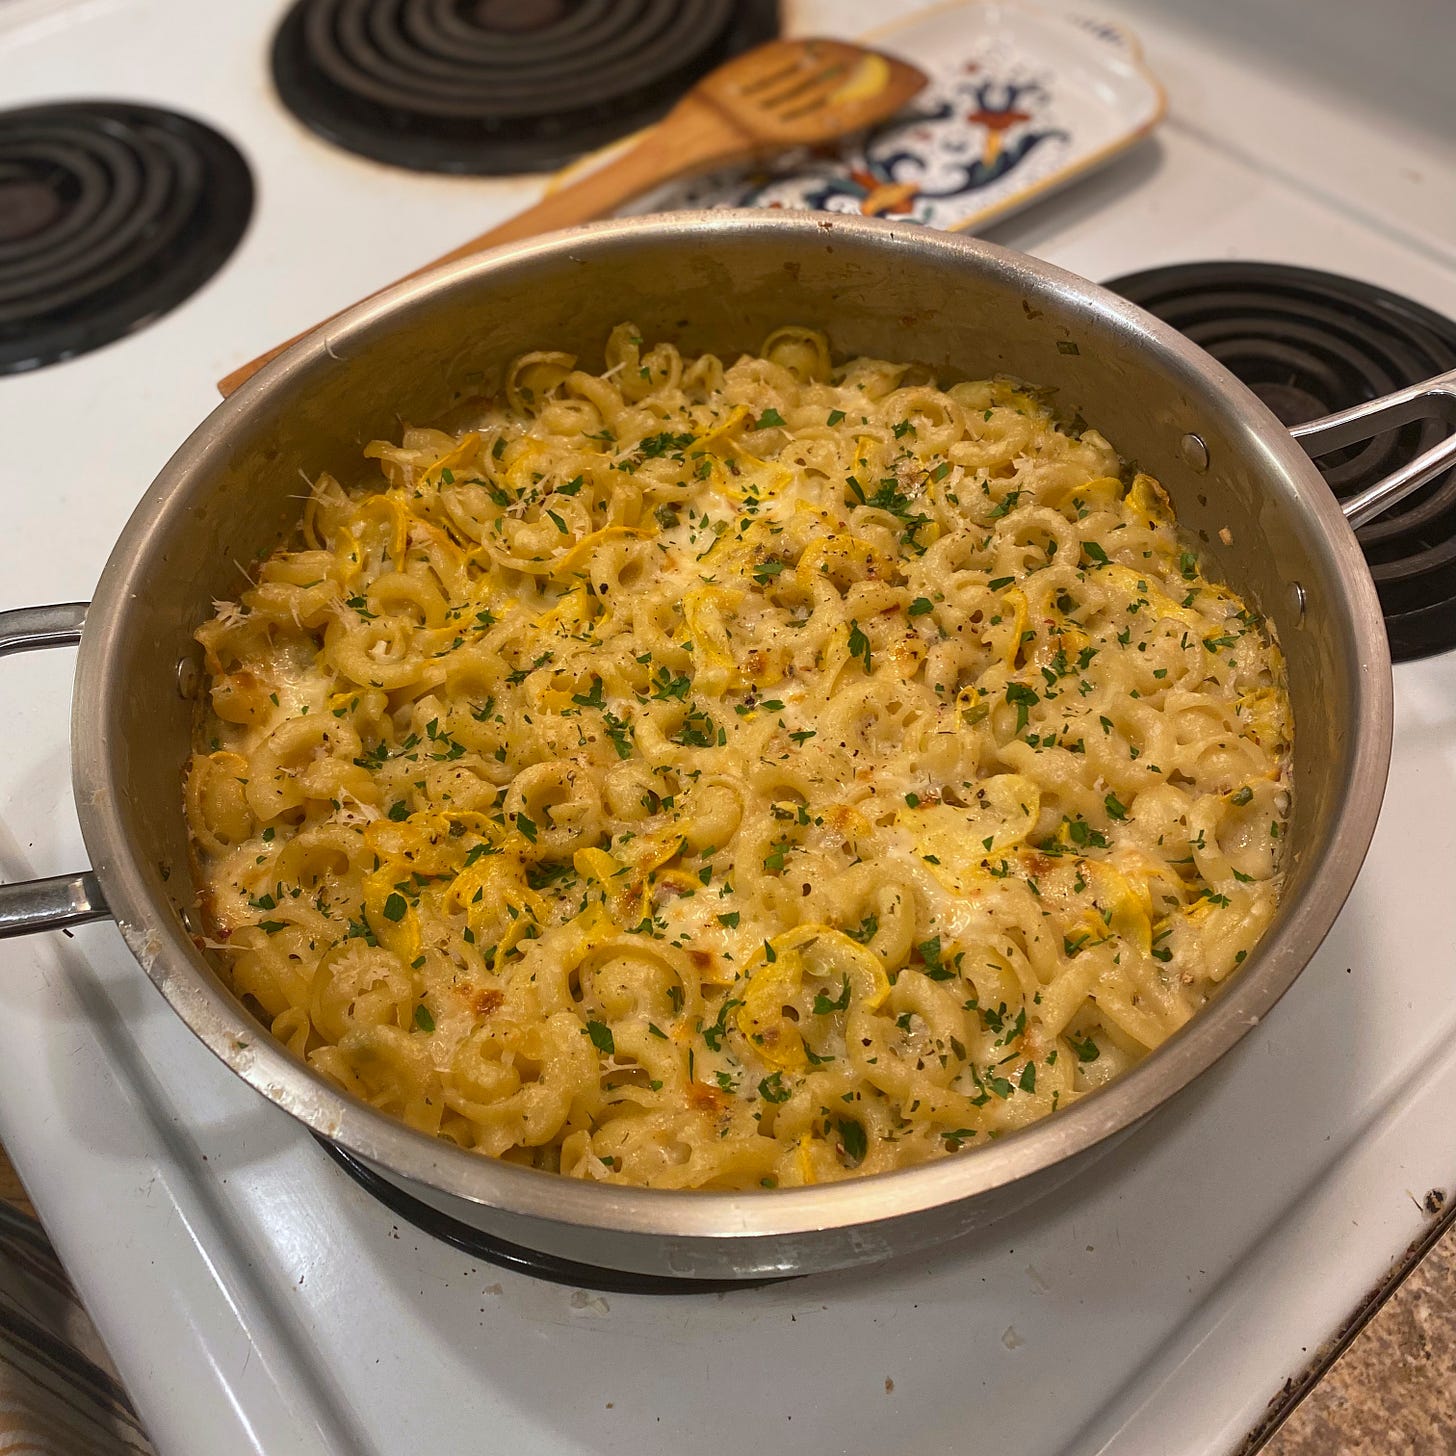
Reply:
x=700, y=775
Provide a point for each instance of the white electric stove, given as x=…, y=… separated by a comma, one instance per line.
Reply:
x=256, y=1299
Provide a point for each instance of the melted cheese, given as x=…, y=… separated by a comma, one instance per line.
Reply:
x=704, y=776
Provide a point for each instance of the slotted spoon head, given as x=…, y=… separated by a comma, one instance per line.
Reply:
x=799, y=92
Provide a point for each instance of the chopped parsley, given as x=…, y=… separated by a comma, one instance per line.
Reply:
x=930, y=954
x=1022, y=698
x=853, y=1140
x=593, y=699
x=667, y=443
x=619, y=733
x=713, y=1035
x=667, y=684
x=698, y=730
x=823, y=1006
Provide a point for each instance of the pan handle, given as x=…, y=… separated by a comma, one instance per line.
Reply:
x=62, y=900
x=1432, y=397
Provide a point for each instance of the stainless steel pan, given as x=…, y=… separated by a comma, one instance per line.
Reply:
x=722, y=281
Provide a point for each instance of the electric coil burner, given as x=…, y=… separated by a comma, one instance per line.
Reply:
x=516, y=1257
x=493, y=87
x=110, y=215
x=1309, y=343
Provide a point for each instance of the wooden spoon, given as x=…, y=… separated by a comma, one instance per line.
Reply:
x=787, y=93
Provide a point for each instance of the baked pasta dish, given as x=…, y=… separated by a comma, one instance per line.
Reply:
x=707, y=774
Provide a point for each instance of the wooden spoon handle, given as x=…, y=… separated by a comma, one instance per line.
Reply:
x=692, y=138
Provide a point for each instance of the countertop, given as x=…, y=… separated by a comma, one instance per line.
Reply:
x=1392, y=1392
